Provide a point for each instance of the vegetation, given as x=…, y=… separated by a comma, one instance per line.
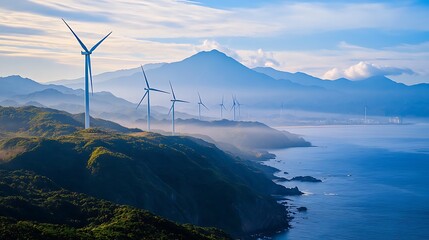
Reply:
x=46, y=122
x=34, y=207
x=183, y=179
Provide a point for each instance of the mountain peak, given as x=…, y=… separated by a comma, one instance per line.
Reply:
x=215, y=54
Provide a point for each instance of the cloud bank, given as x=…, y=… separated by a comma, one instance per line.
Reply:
x=364, y=70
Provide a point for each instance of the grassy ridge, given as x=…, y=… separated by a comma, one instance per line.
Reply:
x=46, y=122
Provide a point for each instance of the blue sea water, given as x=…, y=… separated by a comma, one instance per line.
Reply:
x=375, y=182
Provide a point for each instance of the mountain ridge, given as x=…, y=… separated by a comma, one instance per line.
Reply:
x=167, y=175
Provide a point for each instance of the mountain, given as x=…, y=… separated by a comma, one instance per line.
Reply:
x=26, y=92
x=383, y=96
x=262, y=91
x=243, y=134
x=207, y=72
x=78, y=83
x=14, y=85
x=214, y=74
x=45, y=122
x=34, y=207
x=298, y=77
x=374, y=83
x=181, y=178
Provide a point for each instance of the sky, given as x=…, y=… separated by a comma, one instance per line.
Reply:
x=327, y=39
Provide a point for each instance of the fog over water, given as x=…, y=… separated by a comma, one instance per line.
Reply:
x=375, y=182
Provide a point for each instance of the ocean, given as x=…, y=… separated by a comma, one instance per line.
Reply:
x=375, y=182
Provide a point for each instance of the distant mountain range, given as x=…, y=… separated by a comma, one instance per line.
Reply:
x=17, y=91
x=214, y=74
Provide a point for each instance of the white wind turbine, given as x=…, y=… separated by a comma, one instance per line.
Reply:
x=239, y=106
x=234, y=104
x=222, y=106
x=200, y=103
x=173, y=101
x=88, y=72
x=148, y=89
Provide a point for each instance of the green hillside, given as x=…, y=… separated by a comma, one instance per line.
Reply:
x=46, y=122
x=34, y=207
x=183, y=179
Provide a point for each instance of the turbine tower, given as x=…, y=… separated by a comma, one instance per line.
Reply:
x=173, y=101
x=88, y=72
x=234, y=104
x=222, y=106
x=148, y=89
x=200, y=103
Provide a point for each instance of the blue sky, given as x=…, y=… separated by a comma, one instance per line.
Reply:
x=328, y=39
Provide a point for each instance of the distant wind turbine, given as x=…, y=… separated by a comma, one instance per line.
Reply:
x=222, y=106
x=239, y=107
x=234, y=104
x=173, y=101
x=148, y=89
x=88, y=71
x=200, y=103
x=365, y=121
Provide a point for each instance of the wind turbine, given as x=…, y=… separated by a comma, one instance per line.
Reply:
x=222, y=106
x=199, y=106
x=173, y=101
x=148, y=89
x=234, y=104
x=365, y=121
x=88, y=72
x=239, y=106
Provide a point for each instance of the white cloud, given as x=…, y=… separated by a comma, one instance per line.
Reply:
x=332, y=74
x=363, y=70
x=262, y=59
x=208, y=45
x=258, y=58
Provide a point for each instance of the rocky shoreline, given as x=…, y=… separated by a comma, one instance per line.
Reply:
x=283, y=199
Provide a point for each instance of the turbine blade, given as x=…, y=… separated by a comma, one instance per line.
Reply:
x=90, y=73
x=77, y=38
x=157, y=90
x=96, y=45
x=223, y=106
x=174, y=96
x=205, y=106
x=170, y=109
x=142, y=99
x=145, y=78
x=183, y=101
x=200, y=98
